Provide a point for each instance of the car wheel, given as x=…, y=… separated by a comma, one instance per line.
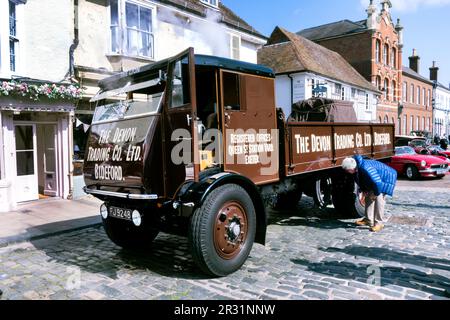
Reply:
x=412, y=173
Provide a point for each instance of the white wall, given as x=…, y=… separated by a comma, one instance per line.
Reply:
x=93, y=26
x=442, y=111
x=302, y=89
x=45, y=39
x=172, y=34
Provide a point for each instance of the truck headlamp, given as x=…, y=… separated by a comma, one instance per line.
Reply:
x=104, y=211
x=136, y=217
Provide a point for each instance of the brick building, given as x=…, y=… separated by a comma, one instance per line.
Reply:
x=373, y=46
x=417, y=111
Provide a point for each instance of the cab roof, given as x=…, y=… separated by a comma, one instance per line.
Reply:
x=142, y=73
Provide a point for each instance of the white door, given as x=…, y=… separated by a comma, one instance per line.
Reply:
x=26, y=160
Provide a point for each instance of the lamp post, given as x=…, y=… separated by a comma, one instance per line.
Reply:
x=433, y=110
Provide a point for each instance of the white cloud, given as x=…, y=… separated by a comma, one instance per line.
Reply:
x=411, y=5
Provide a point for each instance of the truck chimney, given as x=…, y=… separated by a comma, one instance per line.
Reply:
x=414, y=61
x=434, y=72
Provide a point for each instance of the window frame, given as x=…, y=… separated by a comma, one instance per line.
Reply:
x=386, y=54
x=123, y=28
x=378, y=51
x=13, y=39
x=209, y=3
x=231, y=42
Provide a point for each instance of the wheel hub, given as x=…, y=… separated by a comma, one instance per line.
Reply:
x=230, y=230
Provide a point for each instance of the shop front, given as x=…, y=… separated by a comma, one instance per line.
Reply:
x=36, y=158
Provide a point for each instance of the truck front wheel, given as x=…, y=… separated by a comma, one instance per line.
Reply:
x=222, y=230
x=128, y=236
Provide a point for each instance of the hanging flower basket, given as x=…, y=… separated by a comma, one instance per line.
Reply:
x=36, y=92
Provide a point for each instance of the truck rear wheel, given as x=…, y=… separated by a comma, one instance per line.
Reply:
x=348, y=201
x=128, y=236
x=322, y=191
x=223, y=230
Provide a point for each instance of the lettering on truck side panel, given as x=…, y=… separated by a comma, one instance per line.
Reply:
x=311, y=143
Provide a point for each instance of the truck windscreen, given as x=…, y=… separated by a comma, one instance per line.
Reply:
x=137, y=105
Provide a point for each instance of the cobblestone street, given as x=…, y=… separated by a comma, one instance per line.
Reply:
x=310, y=255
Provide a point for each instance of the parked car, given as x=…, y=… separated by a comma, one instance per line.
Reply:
x=411, y=141
x=407, y=162
x=438, y=151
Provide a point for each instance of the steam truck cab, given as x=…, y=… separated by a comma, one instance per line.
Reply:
x=194, y=146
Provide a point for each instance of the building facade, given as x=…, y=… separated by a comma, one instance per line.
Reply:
x=37, y=100
x=374, y=48
x=441, y=105
x=317, y=71
x=417, y=95
x=117, y=35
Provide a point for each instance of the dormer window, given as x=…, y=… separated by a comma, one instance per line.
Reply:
x=214, y=3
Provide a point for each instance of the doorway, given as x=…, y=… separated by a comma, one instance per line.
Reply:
x=47, y=161
x=26, y=162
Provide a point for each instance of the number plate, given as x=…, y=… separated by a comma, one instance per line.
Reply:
x=120, y=213
x=441, y=171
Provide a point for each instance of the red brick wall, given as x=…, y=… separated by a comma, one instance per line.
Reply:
x=359, y=50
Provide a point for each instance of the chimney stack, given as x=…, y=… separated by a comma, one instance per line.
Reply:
x=414, y=61
x=371, y=16
x=434, y=72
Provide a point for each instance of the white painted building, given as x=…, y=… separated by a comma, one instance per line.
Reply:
x=441, y=104
x=35, y=135
x=442, y=111
x=305, y=86
x=304, y=69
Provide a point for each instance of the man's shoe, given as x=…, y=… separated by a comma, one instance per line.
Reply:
x=363, y=223
x=377, y=228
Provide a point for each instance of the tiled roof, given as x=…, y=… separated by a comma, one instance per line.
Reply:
x=334, y=29
x=228, y=16
x=410, y=72
x=287, y=52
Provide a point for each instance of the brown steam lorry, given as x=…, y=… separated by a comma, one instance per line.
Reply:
x=195, y=146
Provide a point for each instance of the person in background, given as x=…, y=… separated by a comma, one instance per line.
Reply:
x=444, y=143
x=376, y=180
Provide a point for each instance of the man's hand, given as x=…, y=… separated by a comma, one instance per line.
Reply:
x=370, y=195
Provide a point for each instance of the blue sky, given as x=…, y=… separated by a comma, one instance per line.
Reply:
x=426, y=22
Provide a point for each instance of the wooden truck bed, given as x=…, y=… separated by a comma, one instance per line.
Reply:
x=314, y=146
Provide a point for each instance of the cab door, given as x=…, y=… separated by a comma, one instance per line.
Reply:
x=181, y=141
x=250, y=126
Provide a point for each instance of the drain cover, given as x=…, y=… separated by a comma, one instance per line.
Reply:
x=410, y=221
x=26, y=211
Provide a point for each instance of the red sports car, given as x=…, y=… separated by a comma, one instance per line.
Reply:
x=407, y=162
